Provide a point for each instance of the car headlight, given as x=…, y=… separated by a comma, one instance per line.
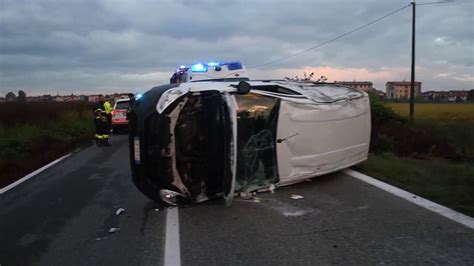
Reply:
x=169, y=97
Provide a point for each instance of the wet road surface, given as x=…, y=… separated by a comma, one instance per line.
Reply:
x=63, y=215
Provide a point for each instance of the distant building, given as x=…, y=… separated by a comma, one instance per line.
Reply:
x=401, y=89
x=33, y=98
x=93, y=98
x=449, y=96
x=435, y=95
x=359, y=85
x=46, y=98
x=77, y=98
x=457, y=96
x=2, y=100
x=59, y=98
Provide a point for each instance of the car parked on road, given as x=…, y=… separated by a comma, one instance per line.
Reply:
x=193, y=141
x=119, y=115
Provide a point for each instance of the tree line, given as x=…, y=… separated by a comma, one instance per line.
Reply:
x=10, y=96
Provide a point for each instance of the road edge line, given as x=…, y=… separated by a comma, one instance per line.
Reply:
x=172, y=255
x=32, y=174
x=413, y=198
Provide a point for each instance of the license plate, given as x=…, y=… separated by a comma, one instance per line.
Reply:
x=136, y=149
x=119, y=115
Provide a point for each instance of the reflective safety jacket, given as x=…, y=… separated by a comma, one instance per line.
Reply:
x=107, y=107
x=99, y=110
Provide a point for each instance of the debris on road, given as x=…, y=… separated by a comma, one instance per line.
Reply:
x=256, y=199
x=296, y=197
x=119, y=211
x=113, y=230
x=246, y=195
x=272, y=188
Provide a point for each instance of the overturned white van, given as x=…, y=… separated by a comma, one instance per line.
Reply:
x=190, y=142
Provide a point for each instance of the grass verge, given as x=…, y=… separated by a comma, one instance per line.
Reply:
x=37, y=140
x=447, y=183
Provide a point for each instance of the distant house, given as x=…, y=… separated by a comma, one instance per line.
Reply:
x=360, y=85
x=435, y=95
x=457, y=96
x=78, y=98
x=2, y=100
x=32, y=98
x=93, y=98
x=401, y=89
x=449, y=96
x=59, y=98
x=70, y=98
x=46, y=98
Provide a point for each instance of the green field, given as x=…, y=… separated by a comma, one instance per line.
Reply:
x=34, y=134
x=437, y=111
x=432, y=156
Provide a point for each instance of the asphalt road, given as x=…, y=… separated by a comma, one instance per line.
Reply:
x=62, y=217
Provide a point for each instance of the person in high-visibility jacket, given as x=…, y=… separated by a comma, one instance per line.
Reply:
x=108, y=113
x=101, y=124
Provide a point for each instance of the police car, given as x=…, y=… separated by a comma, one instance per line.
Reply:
x=214, y=133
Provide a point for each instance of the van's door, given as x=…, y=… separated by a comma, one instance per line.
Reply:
x=230, y=109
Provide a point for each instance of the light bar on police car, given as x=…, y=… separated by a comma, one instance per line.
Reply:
x=198, y=68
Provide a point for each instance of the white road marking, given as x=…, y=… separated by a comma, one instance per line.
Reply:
x=172, y=250
x=427, y=204
x=30, y=175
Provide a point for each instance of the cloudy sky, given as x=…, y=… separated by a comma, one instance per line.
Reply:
x=81, y=46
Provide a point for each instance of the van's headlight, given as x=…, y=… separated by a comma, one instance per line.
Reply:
x=171, y=197
x=169, y=97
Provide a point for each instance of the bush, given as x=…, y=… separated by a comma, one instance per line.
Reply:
x=384, y=121
x=423, y=139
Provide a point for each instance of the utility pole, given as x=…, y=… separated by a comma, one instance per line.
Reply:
x=412, y=90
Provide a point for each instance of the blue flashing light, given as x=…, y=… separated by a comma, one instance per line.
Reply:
x=234, y=65
x=198, y=68
x=138, y=96
x=213, y=64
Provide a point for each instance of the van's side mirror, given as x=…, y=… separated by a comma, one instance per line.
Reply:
x=243, y=87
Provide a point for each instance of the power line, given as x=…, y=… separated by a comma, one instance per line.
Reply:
x=434, y=3
x=331, y=40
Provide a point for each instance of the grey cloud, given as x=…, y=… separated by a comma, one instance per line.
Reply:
x=123, y=39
